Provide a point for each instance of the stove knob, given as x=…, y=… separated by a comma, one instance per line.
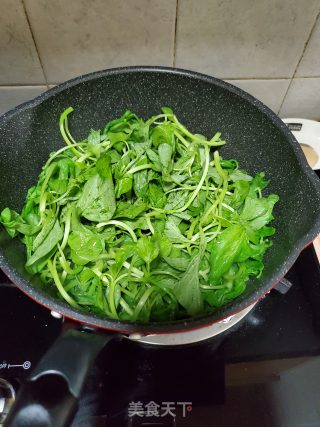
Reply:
x=7, y=397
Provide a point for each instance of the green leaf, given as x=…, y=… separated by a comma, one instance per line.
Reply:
x=229, y=164
x=129, y=210
x=97, y=201
x=225, y=250
x=14, y=224
x=241, y=191
x=173, y=233
x=258, y=212
x=85, y=247
x=156, y=196
x=165, y=245
x=140, y=184
x=222, y=296
x=258, y=183
x=120, y=124
x=49, y=243
x=108, y=234
x=124, y=185
x=93, y=142
x=63, y=173
x=154, y=158
x=127, y=251
x=167, y=110
x=103, y=166
x=47, y=226
x=187, y=289
x=137, y=223
x=165, y=156
x=147, y=249
x=94, y=137
x=239, y=175
x=176, y=200
x=116, y=137
x=214, y=175
x=114, y=156
x=181, y=263
x=162, y=134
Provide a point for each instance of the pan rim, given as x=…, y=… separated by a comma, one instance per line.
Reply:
x=176, y=325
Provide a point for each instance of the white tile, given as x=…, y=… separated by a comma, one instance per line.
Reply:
x=79, y=36
x=303, y=99
x=14, y=95
x=243, y=39
x=310, y=63
x=270, y=92
x=19, y=62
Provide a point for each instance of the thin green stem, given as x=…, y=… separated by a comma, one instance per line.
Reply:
x=143, y=301
x=63, y=124
x=198, y=188
x=55, y=276
x=112, y=302
x=119, y=224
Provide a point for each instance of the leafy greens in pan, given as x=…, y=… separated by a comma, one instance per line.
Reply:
x=141, y=222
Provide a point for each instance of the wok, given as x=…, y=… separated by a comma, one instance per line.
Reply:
x=255, y=136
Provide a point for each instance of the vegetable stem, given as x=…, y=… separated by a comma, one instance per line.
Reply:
x=198, y=188
x=63, y=123
x=55, y=276
x=121, y=225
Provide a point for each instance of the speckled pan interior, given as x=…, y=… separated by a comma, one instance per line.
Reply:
x=256, y=137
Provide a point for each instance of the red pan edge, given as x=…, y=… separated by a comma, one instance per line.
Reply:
x=152, y=332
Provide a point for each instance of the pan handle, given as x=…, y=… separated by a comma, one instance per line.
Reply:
x=50, y=395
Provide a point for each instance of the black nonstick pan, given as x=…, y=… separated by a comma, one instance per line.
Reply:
x=255, y=136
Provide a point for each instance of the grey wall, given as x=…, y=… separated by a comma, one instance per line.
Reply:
x=270, y=48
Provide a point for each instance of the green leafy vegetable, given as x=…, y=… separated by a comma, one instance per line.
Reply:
x=187, y=289
x=139, y=222
x=54, y=236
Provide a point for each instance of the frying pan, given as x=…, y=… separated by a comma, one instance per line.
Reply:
x=255, y=136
